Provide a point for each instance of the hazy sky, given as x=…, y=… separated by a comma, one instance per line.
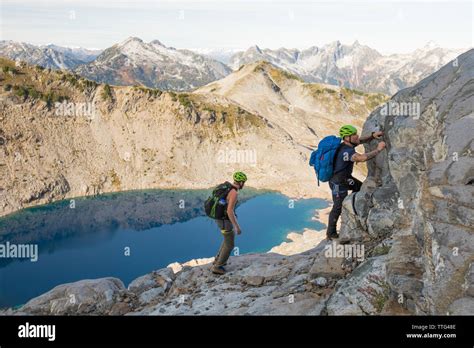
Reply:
x=389, y=26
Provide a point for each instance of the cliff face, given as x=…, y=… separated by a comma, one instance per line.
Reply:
x=418, y=196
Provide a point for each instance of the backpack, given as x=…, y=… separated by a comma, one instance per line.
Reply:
x=216, y=205
x=322, y=159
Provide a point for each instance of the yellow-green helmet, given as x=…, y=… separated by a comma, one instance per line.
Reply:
x=240, y=177
x=347, y=130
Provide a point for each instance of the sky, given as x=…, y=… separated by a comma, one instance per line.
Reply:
x=388, y=26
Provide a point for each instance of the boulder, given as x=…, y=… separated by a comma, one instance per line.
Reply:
x=148, y=296
x=325, y=265
x=365, y=292
x=90, y=296
x=162, y=278
x=254, y=280
x=462, y=306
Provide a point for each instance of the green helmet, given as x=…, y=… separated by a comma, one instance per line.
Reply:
x=240, y=177
x=347, y=130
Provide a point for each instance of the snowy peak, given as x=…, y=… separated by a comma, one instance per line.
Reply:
x=254, y=49
x=130, y=39
x=355, y=66
x=48, y=56
x=156, y=43
x=152, y=64
x=430, y=45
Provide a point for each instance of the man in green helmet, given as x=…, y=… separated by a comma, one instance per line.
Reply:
x=229, y=224
x=342, y=180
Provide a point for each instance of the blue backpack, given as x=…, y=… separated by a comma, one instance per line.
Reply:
x=322, y=159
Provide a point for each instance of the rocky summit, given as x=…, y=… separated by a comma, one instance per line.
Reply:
x=134, y=62
x=406, y=243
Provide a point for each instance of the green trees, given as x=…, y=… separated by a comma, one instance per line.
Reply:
x=107, y=92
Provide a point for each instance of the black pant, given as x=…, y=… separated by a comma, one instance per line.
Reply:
x=339, y=192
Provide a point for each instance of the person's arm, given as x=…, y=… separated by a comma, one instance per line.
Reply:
x=363, y=157
x=232, y=200
x=374, y=135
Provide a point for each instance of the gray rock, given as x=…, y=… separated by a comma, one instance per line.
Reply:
x=95, y=296
x=352, y=230
x=150, y=295
x=320, y=281
x=380, y=222
x=254, y=280
x=327, y=265
x=462, y=306
x=162, y=278
x=425, y=200
x=364, y=292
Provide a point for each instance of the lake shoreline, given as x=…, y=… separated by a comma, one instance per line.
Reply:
x=294, y=190
x=86, y=215
x=297, y=242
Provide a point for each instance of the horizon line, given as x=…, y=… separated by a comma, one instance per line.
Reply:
x=242, y=49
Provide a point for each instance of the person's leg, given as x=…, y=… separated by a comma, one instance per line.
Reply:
x=223, y=244
x=338, y=196
x=220, y=225
x=227, y=244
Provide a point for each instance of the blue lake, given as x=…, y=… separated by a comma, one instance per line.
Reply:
x=89, y=238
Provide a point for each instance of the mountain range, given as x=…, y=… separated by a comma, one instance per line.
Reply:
x=152, y=64
x=354, y=66
x=135, y=62
x=47, y=56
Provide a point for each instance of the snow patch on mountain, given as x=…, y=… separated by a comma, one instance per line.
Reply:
x=355, y=66
x=153, y=64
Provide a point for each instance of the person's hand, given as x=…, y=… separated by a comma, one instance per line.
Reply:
x=377, y=134
x=381, y=146
x=238, y=230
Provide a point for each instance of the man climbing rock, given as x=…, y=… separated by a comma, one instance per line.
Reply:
x=221, y=206
x=342, y=180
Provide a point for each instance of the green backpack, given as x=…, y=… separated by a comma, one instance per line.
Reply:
x=216, y=205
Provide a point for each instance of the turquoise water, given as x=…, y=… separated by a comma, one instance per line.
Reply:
x=90, y=239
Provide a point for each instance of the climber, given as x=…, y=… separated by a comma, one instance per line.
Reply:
x=220, y=206
x=342, y=179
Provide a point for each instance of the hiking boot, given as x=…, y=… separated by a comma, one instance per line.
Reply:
x=218, y=270
x=332, y=236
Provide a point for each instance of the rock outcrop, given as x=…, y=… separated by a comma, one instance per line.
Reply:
x=419, y=193
x=90, y=296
